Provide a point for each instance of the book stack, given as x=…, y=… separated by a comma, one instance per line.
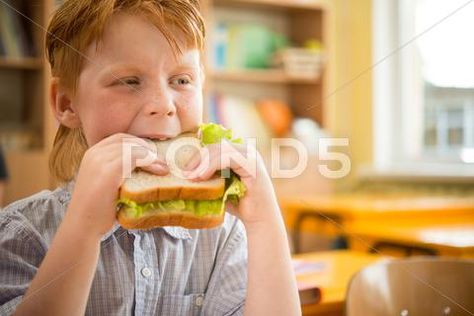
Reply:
x=309, y=291
x=15, y=34
x=17, y=139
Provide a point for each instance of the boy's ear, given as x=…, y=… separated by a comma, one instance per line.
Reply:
x=61, y=105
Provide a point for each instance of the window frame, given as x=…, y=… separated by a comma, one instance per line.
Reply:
x=398, y=101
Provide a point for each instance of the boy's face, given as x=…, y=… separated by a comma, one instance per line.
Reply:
x=133, y=84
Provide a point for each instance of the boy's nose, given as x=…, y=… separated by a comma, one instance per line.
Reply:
x=161, y=111
x=160, y=107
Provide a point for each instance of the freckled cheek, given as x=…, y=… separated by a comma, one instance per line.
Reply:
x=108, y=115
x=189, y=108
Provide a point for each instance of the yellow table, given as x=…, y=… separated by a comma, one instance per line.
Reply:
x=339, y=267
x=446, y=240
x=343, y=211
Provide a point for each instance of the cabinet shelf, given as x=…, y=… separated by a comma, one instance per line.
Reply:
x=271, y=76
x=277, y=4
x=30, y=63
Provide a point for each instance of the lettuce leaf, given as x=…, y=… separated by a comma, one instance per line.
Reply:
x=234, y=191
x=212, y=133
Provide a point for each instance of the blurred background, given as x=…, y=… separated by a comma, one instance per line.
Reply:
x=379, y=93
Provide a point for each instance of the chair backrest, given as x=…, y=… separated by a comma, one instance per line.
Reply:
x=413, y=287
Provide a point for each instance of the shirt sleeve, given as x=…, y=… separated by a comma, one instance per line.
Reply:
x=227, y=287
x=3, y=167
x=21, y=253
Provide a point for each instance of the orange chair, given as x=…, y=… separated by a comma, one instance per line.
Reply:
x=413, y=287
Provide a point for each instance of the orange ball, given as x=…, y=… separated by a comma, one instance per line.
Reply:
x=277, y=115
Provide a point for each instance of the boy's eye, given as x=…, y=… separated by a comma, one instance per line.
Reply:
x=129, y=81
x=183, y=80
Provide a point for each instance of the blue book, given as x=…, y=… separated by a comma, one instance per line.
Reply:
x=21, y=41
x=11, y=45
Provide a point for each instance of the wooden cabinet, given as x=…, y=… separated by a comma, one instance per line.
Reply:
x=299, y=21
x=26, y=123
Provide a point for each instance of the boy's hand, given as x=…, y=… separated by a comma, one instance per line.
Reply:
x=259, y=205
x=271, y=281
x=100, y=175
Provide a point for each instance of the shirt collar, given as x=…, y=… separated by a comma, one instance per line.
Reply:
x=173, y=231
x=178, y=232
x=68, y=187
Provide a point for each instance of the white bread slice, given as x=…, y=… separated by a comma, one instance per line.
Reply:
x=180, y=149
x=145, y=187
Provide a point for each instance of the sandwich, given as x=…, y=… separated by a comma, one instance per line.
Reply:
x=147, y=201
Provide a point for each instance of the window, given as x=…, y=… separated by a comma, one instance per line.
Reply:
x=423, y=83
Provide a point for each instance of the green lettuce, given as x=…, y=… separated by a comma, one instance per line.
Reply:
x=212, y=133
x=235, y=189
x=201, y=208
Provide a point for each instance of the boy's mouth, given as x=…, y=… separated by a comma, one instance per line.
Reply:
x=156, y=136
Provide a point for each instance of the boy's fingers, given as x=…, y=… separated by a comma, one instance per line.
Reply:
x=157, y=168
x=196, y=161
x=144, y=152
x=225, y=158
x=205, y=171
x=134, y=156
x=138, y=142
x=209, y=165
x=124, y=165
x=206, y=154
x=193, y=163
x=128, y=140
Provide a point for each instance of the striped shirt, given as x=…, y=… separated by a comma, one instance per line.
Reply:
x=164, y=271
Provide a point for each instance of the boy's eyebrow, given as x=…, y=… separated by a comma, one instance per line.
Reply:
x=187, y=67
x=111, y=70
x=187, y=62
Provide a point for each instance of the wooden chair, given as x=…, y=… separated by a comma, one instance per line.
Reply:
x=413, y=287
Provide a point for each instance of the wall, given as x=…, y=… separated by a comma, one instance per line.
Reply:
x=350, y=114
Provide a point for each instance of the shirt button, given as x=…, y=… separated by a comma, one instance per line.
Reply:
x=199, y=300
x=146, y=272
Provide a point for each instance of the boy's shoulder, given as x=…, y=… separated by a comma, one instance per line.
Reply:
x=39, y=213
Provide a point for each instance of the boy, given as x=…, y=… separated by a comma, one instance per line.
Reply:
x=130, y=69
